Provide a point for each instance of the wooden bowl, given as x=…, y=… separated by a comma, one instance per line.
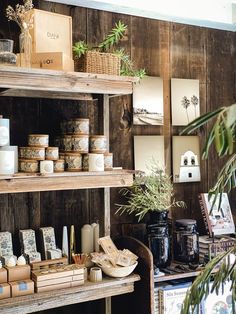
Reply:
x=119, y=271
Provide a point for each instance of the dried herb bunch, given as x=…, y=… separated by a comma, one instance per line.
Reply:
x=20, y=14
x=153, y=192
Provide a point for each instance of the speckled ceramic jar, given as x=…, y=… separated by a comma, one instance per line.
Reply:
x=38, y=140
x=78, y=126
x=67, y=143
x=59, y=165
x=98, y=144
x=85, y=163
x=73, y=162
x=52, y=153
x=80, y=143
x=30, y=166
x=108, y=161
x=34, y=153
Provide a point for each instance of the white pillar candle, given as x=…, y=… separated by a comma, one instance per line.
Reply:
x=86, y=239
x=95, y=227
x=46, y=166
x=65, y=246
x=7, y=162
x=96, y=162
x=4, y=132
x=15, y=149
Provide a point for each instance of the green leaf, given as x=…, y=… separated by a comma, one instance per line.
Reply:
x=231, y=114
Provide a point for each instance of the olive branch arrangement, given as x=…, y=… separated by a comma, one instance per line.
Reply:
x=20, y=14
x=112, y=39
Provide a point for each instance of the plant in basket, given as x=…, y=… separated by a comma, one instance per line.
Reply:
x=104, y=58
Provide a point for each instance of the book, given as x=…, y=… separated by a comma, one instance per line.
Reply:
x=171, y=298
x=218, y=219
x=210, y=247
x=218, y=303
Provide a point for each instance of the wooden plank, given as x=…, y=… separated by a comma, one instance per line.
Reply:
x=59, y=81
x=71, y=182
x=88, y=292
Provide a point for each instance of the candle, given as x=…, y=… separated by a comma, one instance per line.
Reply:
x=96, y=162
x=95, y=227
x=4, y=132
x=72, y=241
x=65, y=248
x=15, y=149
x=86, y=239
x=7, y=162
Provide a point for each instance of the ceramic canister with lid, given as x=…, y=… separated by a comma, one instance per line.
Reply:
x=4, y=131
x=73, y=161
x=98, y=144
x=186, y=244
x=38, y=140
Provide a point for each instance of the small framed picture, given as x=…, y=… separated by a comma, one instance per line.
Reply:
x=185, y=157
x=185, y=102
x=146, y=149
x=148, y=101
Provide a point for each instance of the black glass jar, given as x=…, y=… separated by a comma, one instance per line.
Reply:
x=186, y=244
x=159, y=244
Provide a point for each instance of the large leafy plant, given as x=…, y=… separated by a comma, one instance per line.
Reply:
x=152, y=192
x=107, y=45
x=222, y=137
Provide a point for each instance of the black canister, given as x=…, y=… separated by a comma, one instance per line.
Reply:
x=186, y=245
x=159, y=244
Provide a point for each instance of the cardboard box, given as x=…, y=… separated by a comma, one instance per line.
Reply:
x=16, y=273
x=3, y=275
x=5, y=291
x=23, y=287
x=52, y=61
x=51, y=32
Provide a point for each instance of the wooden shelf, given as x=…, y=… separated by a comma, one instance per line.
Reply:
x=177, y=276
x=23, y=82
x=89, y=291
x=23, y=182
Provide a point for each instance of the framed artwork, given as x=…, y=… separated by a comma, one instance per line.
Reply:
x=185, y=102
x=146, y=149
x=148, y=101
x=185, y=157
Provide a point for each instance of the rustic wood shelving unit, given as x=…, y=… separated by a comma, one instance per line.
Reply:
x=21, y=82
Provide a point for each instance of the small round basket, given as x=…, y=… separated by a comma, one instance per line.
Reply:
x=119, y=271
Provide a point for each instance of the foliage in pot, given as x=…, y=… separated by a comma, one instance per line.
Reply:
x=80, y=48
x=223, y=135
x=149, y=193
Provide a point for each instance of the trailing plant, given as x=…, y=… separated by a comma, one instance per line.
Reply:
x=153, y=192
x=107, y=45
x=222, y=137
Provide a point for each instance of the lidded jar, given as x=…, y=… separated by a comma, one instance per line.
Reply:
x=7, y=57
x=186, y=244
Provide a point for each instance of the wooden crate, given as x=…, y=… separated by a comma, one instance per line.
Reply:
x=51, y=32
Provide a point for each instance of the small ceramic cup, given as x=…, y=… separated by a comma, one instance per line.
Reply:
x=80, y=143
x=78, y=126
x=38, y=140
x=73, y=162
x=108, y=161
x=59, y=165
x=95, y=274
x=96, y=162
x=98, y=144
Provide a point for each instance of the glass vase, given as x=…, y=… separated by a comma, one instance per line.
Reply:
x=25, y=48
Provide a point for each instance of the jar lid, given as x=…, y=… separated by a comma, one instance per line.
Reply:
x=185, y=222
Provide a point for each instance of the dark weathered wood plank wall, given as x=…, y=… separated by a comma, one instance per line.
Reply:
x=164, y=49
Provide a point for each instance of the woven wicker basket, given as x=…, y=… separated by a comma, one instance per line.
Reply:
x=99, y=62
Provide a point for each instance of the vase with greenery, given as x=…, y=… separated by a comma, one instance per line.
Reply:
x=222, y=136
x=108, y=45
x=24, y=19
x=153, y=194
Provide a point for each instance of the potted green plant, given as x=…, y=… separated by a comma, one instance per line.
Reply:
x=150, y=194
x=104, y=58
x=222, y=135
